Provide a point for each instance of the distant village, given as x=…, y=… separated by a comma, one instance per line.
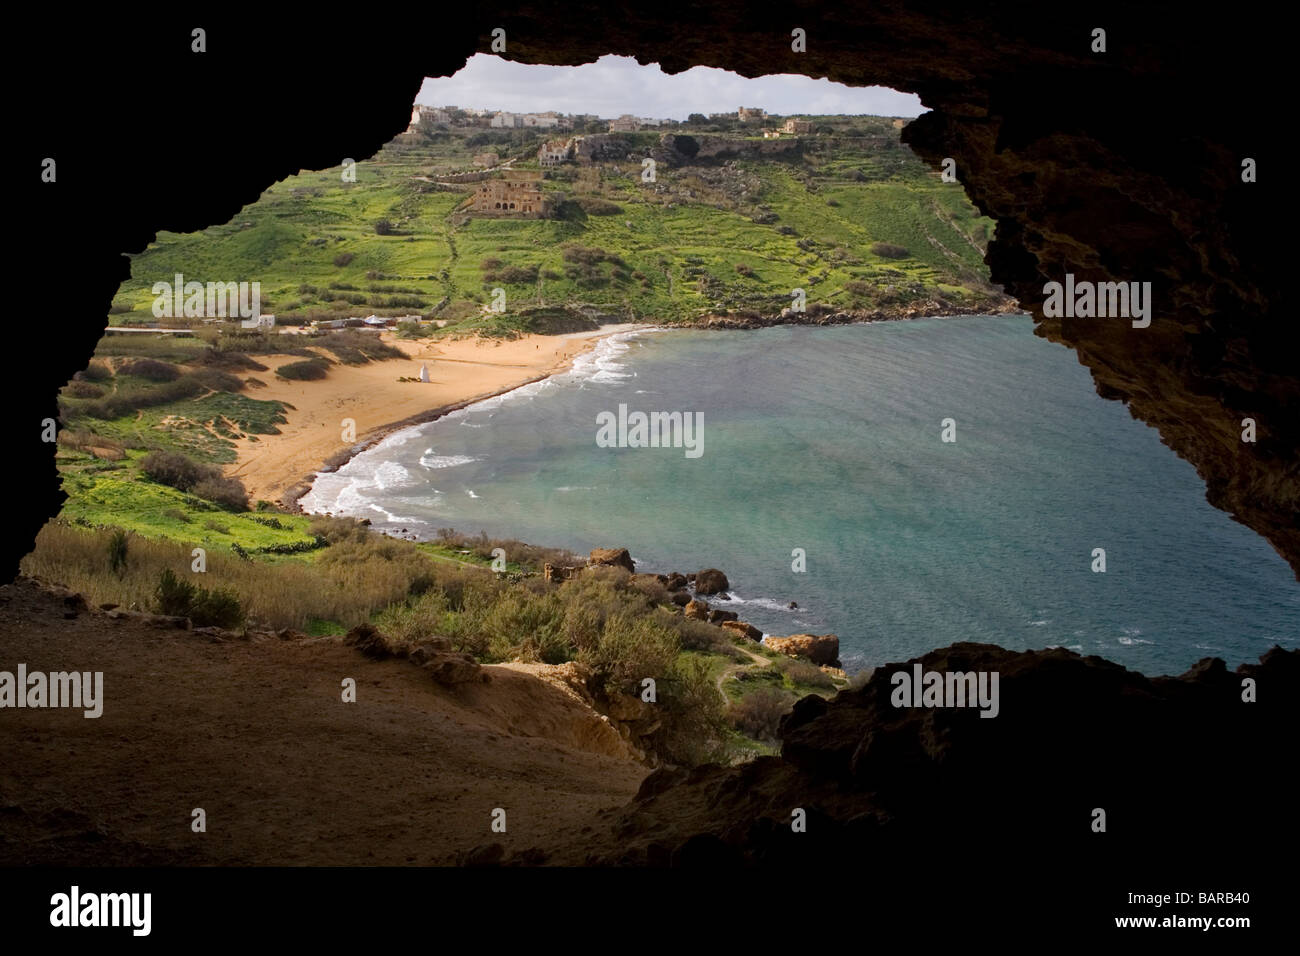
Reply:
x=518, y=193
x=430, y=117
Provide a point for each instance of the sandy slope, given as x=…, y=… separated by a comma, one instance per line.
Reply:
x=371, y=395
x=255, y=733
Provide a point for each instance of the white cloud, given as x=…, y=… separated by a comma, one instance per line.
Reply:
x=614, y=85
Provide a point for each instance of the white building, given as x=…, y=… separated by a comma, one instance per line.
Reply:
x=547, y=120
x=506, y=121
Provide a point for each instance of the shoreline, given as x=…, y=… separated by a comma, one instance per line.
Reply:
x=291, y=497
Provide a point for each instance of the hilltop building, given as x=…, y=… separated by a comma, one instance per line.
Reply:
x=428, y=116
x=625, y=124
x=751, y=114
x=800, y=127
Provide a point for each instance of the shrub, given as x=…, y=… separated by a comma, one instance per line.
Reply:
x=77, y=389
x=227, y=492
x=593, y=206
x=217, y=380
x=229, y=360
x=126, y=401
x=805, y=673
x=175, y=470
x=96, y=372
x=117, y=548
x=151, y=369
x=629, y=649
x=216, y=608
x=887, y=250
x=173, y=596
x=305, y=371
x=758, y=715
x=343, y=258
x=383, y=228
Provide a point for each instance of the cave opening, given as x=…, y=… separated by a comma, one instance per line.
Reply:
x=809, y=221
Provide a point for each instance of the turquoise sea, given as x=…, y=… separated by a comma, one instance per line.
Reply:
x=829, y=440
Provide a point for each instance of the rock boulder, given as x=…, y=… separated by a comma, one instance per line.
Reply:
x=820, y=649
x=711, y=581
x=613, y=557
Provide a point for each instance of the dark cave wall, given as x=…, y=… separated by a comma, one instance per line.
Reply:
x=1118, y=166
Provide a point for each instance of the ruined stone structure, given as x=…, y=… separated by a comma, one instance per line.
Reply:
x=517, y=194
x=751, y=114
x=625, y=124
x=800, y=127
x=556, y=152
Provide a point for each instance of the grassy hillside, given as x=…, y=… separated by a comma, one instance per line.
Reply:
x=848, y=214
x=736, y=234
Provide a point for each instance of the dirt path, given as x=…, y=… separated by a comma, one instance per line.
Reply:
x=256, y=734
x=727, y=672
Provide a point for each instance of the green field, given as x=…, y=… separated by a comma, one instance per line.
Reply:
x=703, y=238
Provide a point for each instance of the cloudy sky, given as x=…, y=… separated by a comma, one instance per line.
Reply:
x=614, y=85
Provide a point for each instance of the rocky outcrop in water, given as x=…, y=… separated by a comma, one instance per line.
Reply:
x=612, y=557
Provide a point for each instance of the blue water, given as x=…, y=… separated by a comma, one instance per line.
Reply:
x=828, y=439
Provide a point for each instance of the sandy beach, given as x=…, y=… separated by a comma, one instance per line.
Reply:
x=278, y=468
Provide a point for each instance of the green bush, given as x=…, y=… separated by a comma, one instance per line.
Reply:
x=151, y=369
x=759, y=714
x=96, y=372
x=227, y=492
x=217, y=380
x=887, y=250
x=75, y=389
x=305, y=371
x=175, y=470
x=117, y=548
x=593, y=206
x=216, y=608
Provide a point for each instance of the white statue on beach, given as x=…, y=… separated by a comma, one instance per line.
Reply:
x=424, y=373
